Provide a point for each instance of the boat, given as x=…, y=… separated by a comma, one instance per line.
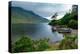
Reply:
x=64, y=30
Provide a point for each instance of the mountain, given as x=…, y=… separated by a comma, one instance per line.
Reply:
x=20, y=15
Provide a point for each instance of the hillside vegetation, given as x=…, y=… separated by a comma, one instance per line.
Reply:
x=69, y=20
x=19, y=15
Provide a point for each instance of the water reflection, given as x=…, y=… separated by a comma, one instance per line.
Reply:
x=35, y=32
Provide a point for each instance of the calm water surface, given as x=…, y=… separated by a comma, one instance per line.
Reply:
x=35, y=32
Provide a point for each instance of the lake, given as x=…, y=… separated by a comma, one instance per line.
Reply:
x=35, y=32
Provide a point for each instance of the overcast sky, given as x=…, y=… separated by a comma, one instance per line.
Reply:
x=45, y=10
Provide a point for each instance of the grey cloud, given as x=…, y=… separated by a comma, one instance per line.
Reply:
x=43, y=9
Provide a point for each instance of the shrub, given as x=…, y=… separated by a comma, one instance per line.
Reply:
x=68, y=43
x=73, y=24
x=25, y=44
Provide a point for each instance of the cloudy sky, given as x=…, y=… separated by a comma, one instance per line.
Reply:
x=45, y=10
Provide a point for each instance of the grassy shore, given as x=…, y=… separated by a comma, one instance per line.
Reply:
x=25, y=44
x=69, y=42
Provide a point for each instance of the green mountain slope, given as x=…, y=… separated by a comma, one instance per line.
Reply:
x=19, y=15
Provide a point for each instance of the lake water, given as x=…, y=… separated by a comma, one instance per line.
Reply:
x=35, y=32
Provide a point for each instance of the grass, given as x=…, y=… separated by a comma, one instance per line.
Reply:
x=69, y=42
x=25, y=44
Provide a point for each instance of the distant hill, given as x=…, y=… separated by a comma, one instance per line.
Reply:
x=19, y=15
